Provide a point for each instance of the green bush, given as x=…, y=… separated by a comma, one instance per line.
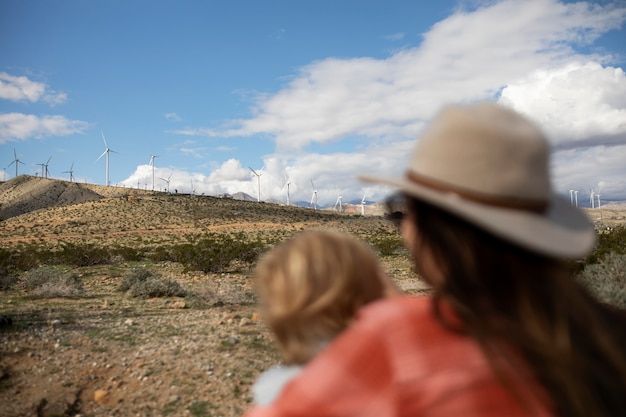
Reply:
x=386, y=245
x=51, y=282
x=213, y=253
x=81, y=255
x=128, y=253
x=22, y=258
x=142, y=283
x=609, y=241
x=221, y=293
x=607, y=279
x=7, y=282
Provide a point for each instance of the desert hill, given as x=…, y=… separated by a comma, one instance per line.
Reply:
x=25, y=193
x=37, y=210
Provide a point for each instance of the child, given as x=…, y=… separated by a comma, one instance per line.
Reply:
x=310, y=289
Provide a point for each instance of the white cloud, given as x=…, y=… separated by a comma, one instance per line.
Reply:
x=328, y=172
x=469, y=56
x=599, y=168
x=16, y=88
x=578, y=104
x=530, y=62
x=55, y=97
x=173, y=117
x=20, y=88
x=193, y=152
x=395, y=36
x=19, y=126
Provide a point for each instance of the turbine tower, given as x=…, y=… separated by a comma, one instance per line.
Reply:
x=168, y=182
x=258, y=179
x=152, y=163
x=46, y=165
x=576, y=197
x=339, y=200
x=363, y=205
x=598, y=197
x=593, y=204
x=193, y=190
x=288, y=184
x=106, y=152
x=16, y=161
x=72, y=173
x=571, y=197
x=42, y=168
x=314, y=196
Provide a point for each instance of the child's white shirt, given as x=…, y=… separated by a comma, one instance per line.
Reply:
x=271, y=382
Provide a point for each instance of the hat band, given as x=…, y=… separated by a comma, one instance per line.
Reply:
x=534, y=206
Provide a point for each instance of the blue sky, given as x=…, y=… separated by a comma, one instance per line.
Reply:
x=309, y=90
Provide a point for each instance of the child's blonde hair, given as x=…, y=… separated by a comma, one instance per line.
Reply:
x=311, y=287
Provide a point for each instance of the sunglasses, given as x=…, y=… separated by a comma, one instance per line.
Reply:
x=395, y=208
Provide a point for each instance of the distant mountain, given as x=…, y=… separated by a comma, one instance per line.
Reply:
x=243, y=197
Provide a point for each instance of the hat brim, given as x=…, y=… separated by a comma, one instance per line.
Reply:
x=561, y=231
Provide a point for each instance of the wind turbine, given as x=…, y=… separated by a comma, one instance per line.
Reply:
x=571, y=197
x=168, y=182
x=339, y=200
x=72, y=173
x=42, y=167
x=46, y=165
x=576, y=197
x=152, y=163
x=593, y=204
x=288, y=183
x=363, y=205
x=16, y=161
x=193, y=190
x=314, y=196
x=258, y=178
x=598, y=197
x=106, y=152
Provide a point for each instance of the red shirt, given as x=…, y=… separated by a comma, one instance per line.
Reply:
x=397, y=360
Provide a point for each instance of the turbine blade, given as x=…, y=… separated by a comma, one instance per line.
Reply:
x=103, y=153
x=105, y=141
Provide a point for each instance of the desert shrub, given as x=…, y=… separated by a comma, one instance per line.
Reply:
x=220, y=293
x=51, y=282
x=22, y=258
x=7, y=282
x=386, y=245
x=610, y=241
x=81, y=255
x=127, y=253
x=216, y=253
x=161, y=254
x=8, y=262
x=607, y=279
x=142, y=283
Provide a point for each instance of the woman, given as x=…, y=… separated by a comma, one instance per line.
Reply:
x=507, y=331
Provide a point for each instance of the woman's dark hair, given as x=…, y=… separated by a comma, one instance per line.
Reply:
x=522, y=305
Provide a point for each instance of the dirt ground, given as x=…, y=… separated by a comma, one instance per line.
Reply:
x=109, y=355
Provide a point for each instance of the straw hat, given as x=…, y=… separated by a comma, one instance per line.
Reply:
x=489, y=165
